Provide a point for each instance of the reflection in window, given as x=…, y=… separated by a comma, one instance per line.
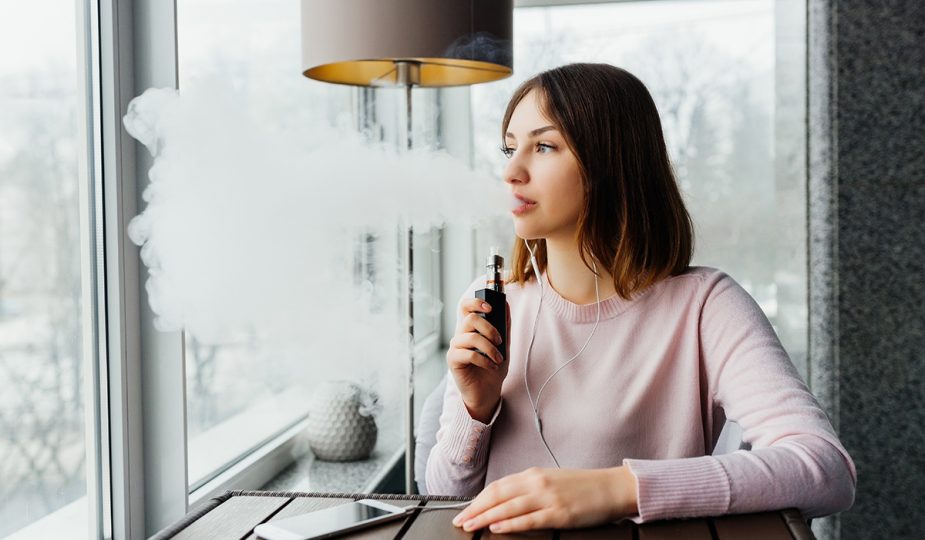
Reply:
x=42, y=429
x=728, y=91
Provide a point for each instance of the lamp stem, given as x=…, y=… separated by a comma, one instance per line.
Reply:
x=408, y=73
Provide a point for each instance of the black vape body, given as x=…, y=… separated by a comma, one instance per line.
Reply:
x=493, y=294
x=498, y=314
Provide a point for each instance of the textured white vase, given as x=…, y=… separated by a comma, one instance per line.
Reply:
x=336, y=429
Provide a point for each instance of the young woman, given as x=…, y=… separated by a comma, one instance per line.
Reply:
x=623, y=362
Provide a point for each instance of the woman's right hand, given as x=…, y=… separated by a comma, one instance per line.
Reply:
x=475, y=361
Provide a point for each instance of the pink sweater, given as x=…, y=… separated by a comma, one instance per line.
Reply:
x=652, y=391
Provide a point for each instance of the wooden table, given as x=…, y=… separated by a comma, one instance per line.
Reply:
x=234, y=515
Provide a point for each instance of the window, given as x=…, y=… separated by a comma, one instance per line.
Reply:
x=242, y=387
x=46, y=315
x=727, y=79
x=240, y=392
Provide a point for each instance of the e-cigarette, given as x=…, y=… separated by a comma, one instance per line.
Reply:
x=493, y=293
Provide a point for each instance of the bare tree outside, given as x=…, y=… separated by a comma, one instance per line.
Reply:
x=42, y=447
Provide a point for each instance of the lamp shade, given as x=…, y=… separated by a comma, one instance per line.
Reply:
x=450, y=42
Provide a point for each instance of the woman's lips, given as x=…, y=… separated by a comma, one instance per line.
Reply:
x=520, y=204
x=523, y=208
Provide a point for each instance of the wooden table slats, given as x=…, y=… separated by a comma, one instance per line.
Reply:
x=436, y=524
x=235, y=514
x=769, y=526
x=530, y=535
x=234, y=518
x=691, y=529
x=621, y=531
x=798, y=526
x=301, y=505
x=389, y=530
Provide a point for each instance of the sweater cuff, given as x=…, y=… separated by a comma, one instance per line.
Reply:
x=467, y=442
x=680, y=488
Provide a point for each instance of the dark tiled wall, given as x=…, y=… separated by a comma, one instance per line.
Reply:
x=866, y=152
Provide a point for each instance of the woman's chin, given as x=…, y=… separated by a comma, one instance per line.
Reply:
x=526, y=233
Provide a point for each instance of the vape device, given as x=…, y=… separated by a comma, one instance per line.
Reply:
x=493, y=293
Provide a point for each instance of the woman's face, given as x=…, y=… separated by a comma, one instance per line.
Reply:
x=541, y=169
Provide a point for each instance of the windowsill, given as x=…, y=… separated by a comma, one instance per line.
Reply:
x=62, y=523
x=220, y=447
x=309, y=473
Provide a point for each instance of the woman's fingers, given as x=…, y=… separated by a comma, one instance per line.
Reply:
x=540, y=519
x=475, y=348
x=518, y=506
x=471, y=308
x=477, y=305
x=460, y=359
x=473, y=323
x=494, y=493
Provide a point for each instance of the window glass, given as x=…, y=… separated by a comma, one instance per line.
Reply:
x=727, y=79
x=42, y=405
x=242, y=389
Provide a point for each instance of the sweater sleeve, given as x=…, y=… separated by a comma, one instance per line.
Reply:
x=796, y=458
x=459, y=459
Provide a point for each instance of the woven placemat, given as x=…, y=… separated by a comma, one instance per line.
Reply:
x=355, y=496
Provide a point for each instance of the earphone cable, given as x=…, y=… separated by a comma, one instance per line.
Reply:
x=536, y=405
x=436, y=507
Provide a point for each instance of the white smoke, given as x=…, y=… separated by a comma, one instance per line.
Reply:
x=250, y=227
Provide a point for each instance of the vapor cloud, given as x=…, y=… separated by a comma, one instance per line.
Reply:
x=247, y=226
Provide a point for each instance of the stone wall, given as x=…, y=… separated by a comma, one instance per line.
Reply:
x=866, y=193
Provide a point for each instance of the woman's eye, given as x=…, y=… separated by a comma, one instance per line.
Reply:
x=507, y=151
x=544, y=146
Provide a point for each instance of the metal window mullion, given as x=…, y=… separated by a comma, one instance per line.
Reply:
x=145, y=367
x=99, y=507
x=120, y=289
x=163, y=383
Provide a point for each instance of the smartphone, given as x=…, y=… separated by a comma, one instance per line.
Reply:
x=330, y=521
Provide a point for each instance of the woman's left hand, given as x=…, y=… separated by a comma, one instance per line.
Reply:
x=552, y=499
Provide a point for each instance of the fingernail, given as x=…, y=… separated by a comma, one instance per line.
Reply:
x=456, y=520
x=486, y=306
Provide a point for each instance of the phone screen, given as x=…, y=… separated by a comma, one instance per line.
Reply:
x=321, y=522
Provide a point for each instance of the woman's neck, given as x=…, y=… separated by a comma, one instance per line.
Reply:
x=569, y=276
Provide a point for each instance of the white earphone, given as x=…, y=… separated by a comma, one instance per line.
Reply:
x=536, y=404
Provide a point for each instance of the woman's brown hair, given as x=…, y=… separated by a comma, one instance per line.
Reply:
x=633, y=219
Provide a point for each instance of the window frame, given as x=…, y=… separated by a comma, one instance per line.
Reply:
x=90, y=197
x=143, y=492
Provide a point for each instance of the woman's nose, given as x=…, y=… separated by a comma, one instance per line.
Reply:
x=514, y=172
